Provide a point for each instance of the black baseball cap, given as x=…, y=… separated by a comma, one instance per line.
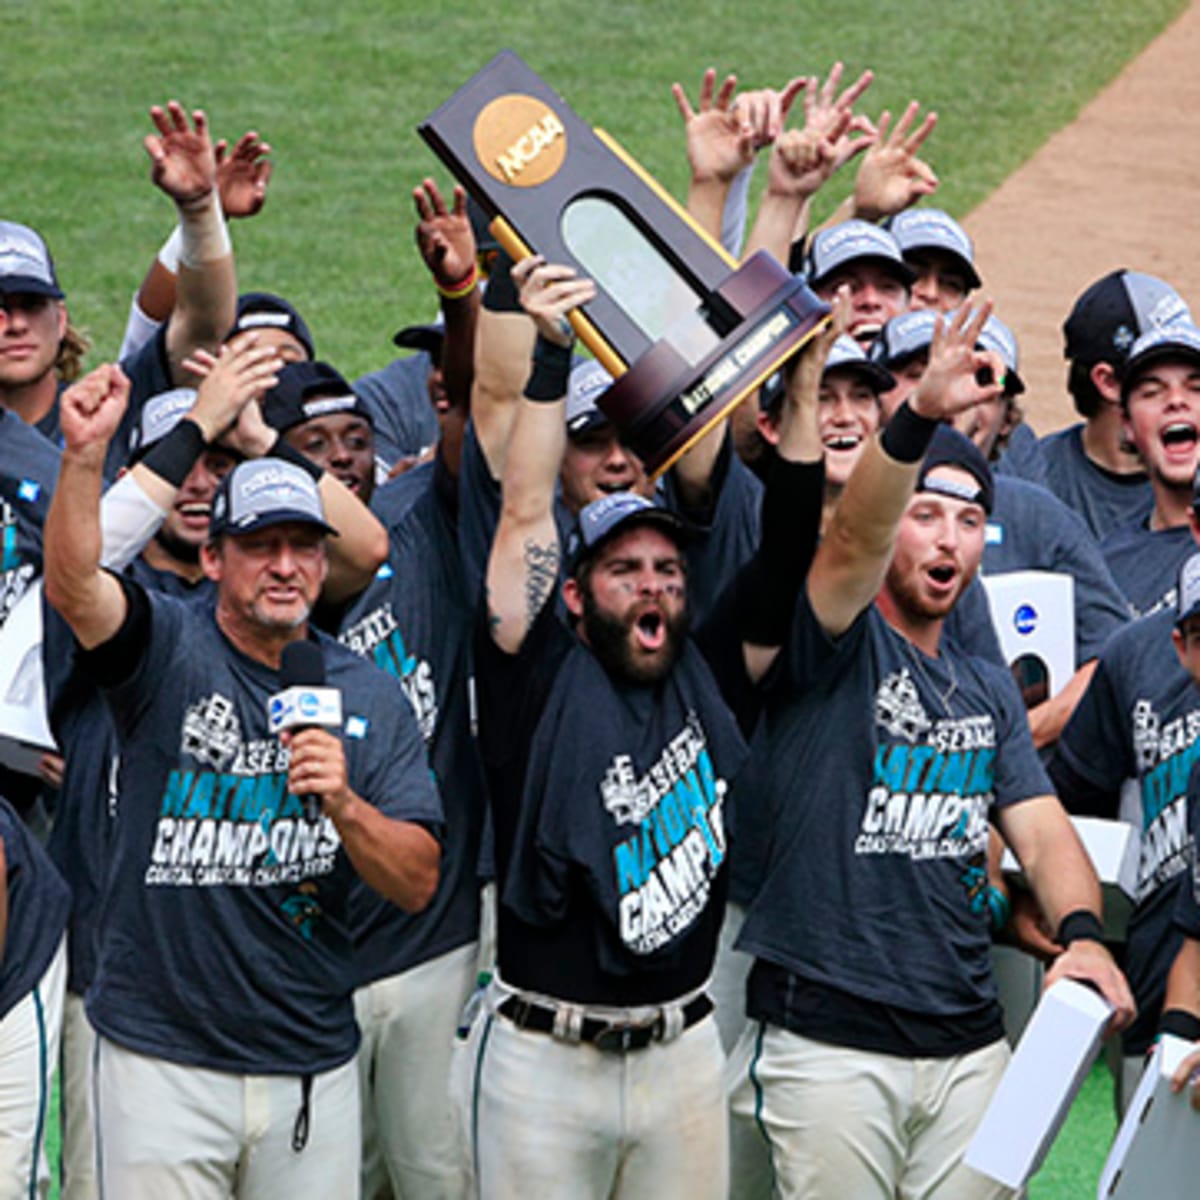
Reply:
x=1114, y=312
x=264, y=310
x=949, y=448
x=307, y=390
x=603, y=519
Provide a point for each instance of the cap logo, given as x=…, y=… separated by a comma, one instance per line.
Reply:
x=255, y=320
x=952, y=488
x=1123, y=338
x=328, y=404
x=519, y=140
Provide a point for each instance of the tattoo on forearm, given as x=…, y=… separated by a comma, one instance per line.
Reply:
x=541, y=572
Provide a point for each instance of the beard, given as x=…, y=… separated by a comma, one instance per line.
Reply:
x=915, y=604
x=612, y=640
x=179, y=549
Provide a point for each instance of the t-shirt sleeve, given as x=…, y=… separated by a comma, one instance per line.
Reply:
x=1019, y=774
x=810, y=649
x=1094, y=744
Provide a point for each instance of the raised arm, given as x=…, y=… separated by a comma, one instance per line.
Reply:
x=89, y=599
x=523, y=565
x=850, y=565
x=184, y=166
x=447, y=246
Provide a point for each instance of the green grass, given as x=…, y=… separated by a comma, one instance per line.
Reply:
x=339, y=89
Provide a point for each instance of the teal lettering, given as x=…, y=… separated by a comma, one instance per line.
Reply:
x=982, y=774
x=918, y=758
x=630, y=876
x=178, y=785
x=200, y=800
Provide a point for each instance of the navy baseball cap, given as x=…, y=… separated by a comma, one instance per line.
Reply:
x=160, y=414
x=1188, y=602
x=1178, y=341
x=265, y=492
x=949, y=448
x=307, y=390
x=831, y=249
x=264, y=310
x=904, y=337
x=847, y=355
x=25, y=263
x=1114, y=312
x=932, y=229
x=430, y=338
x=605, y=518
x=589, y=380
x=997, y=337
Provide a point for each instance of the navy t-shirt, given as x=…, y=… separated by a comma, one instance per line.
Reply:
x=38, y=901
x=414, y=621
x=1139, y=719
x=608, y=803
x=225, y=940
x=881, y=768
x=28, y=472
x=1145, y=563
x=1032, y=530
x=1022, y=457
x=401, y=411
x=1104, y=499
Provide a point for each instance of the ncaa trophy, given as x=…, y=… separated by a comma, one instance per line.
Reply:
x=685, y=332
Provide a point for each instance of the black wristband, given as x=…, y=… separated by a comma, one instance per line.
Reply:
x=551, y=372
x=1180, y=1023
x=173, y=456
x=1079, y=925
x=290, y=454
x=500, y=295
x=907, y=435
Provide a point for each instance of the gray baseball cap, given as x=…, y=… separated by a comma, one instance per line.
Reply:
x=589, y=380
x=1115, y=311
x=265, y=492
x=904, y=337
x=1180, y=341
x=1188, y=601
x=612, y=514
x=25, y=262
x=160, y=414
x=847, y=355
x=833, y=248
x=997, y=337
x=932, y=229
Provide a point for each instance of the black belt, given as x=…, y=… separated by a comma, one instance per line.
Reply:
x=616, y=1037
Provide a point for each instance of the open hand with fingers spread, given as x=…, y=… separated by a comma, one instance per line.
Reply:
x=723, y=134
x=243, y=174
x=183, y=162
x=241, y=373
x=958, y=376
x=444, y=236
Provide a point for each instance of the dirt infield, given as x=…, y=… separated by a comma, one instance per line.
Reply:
x=1118, y=187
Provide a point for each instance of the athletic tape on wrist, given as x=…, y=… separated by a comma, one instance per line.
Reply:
x=171, y=249
x=204, y=237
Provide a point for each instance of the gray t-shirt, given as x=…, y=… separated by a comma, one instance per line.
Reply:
x=1146, y=563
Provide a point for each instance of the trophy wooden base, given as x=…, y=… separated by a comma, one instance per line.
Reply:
x=662, y=404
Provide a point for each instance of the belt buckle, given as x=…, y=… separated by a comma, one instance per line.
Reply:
x=616, y=1039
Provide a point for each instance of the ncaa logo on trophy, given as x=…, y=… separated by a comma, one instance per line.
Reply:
x=684, y=330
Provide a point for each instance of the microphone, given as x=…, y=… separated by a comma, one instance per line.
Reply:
x=304, y=702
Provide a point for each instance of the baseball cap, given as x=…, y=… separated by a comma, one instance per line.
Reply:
x=264, y=310
x=160, y=414
x=849, y=241
x=306, y=390
x=265, y=492
x=997, y=337
x=933, y=229
x=612, y=514
x=25, y=262
x=904, y=337
x=1188, y=603
x=430, y=338
x=949, y=448
x=1115, y=311
x=847, y=355
x=1181, y=340
x=589, y=380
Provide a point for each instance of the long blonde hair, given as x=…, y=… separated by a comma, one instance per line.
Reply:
x=71, y=350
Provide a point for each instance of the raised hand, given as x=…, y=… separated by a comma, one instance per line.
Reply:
x=241, y=373
x=952, y=381
x=243, y=175
x=183, y=161
x=892, y=177
x=723, y=134
x=548, y=292
x=832, y=132
x=90, y=410
x=444, y=236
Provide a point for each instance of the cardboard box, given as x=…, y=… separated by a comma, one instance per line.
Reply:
x=1037, y=1090
x=1156, y=1153
x=24, y=730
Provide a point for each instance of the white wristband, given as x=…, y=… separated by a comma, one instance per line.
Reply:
x=128, y=520
x=169, y=254
x=203, y=236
